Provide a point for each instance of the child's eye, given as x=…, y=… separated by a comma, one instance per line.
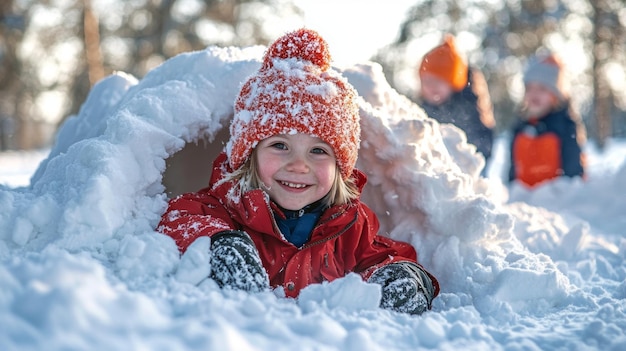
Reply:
x=279, y=145
x=318, y=151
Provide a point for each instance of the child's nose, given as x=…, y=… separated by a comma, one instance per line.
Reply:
x=297, y=163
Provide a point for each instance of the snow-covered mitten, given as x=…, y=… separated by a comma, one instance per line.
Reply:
x=235, y=262
x=405, y=287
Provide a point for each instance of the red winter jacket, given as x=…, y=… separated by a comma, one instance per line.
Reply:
x=344, y=240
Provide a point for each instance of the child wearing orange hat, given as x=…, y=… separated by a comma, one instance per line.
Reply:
x=450, y=92
x=282, y=208
x=546, y=140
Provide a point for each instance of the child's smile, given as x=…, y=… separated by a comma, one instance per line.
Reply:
x=296, y=169
x=293, y=186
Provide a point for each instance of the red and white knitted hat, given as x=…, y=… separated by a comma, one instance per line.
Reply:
x=296, y=91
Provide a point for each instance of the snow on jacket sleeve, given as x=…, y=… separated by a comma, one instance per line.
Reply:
x=192, y=215
x=478, y=110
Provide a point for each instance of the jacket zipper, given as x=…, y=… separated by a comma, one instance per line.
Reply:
x=348, y=226
x=274, y=224
x=335, y=215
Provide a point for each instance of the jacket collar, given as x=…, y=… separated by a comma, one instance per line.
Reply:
x=316, y=207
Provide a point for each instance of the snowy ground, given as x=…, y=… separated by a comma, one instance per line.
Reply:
x=81, y=267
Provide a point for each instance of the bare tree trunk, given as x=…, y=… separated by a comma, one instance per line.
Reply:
x=92, y=44
x=601, y=89
x=11, y=85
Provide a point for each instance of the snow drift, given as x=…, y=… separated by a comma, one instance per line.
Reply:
x=80, y=252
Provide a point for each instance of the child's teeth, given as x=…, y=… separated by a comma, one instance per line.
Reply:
x=292, y=185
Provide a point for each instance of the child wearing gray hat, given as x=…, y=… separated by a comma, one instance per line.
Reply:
x=546, y=141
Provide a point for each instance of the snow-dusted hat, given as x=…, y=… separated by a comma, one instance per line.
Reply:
x=295, y=91
x=547, y=70
x=446, y=62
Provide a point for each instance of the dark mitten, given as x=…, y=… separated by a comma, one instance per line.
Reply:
x=405, y=287
x=235, y=262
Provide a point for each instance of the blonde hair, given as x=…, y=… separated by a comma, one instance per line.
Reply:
x=247, y=178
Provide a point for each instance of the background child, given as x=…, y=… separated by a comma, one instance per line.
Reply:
x=546, y=140
x=282, y=207
x=452, y=93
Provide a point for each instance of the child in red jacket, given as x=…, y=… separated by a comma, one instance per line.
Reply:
x=282, y=207
x=546, y=140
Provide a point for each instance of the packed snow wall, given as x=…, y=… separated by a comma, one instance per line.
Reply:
x=113, y=167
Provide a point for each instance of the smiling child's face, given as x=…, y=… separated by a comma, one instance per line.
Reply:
x=296, y=169
x=434, y=90
x=538, y=100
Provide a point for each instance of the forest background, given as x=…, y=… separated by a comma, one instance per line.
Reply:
x=53, y=51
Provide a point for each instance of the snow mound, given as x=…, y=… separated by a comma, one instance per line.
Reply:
x=80, y=252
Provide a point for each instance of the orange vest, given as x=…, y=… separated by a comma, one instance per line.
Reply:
x=537, y=158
